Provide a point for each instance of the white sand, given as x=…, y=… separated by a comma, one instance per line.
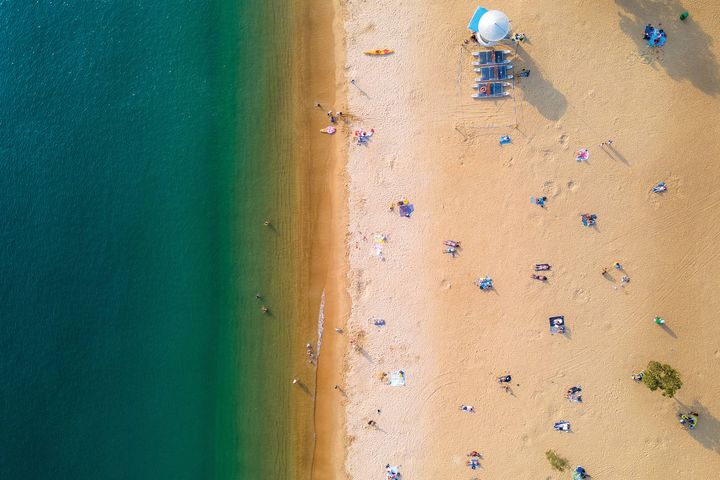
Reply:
x=591, y=80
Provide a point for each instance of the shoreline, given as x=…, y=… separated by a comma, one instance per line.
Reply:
x=323, y=256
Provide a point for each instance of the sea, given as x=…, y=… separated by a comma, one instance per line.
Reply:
x=143, y=143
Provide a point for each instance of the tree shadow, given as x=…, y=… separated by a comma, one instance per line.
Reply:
x=539, y=91
x=687, y=54
x=707, y=432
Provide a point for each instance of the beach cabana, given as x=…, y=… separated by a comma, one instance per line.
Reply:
x=489, y=26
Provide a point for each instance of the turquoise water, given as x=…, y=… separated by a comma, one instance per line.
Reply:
x=132, y=133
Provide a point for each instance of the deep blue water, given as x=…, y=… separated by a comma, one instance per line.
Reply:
x=122, y=193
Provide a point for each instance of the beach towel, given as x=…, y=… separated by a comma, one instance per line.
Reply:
x=574, y=394
x=557, y=324
x=406, y=210
x=582, y=155
x=397, y=379
x=392, y=473
x=588, y=219
x=475, y=20
x=660, y=187
x=505, y=139
x=562, y=426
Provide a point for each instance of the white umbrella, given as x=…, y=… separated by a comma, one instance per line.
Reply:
x=494, y=26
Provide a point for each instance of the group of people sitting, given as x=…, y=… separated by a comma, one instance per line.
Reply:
x=474, y=461
x=656, y=37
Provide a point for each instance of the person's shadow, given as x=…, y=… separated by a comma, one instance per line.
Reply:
x=707, y=431
x=687, y=54
x=669, y=330
x=538, y=91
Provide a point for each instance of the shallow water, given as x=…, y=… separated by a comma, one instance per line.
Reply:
x=140, y=150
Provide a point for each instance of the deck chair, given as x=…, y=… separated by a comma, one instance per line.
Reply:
x=492, y=90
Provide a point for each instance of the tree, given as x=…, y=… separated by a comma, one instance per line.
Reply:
x=556, y=461
x=662, y=376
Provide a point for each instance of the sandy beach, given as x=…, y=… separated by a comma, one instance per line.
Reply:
x=592, y=79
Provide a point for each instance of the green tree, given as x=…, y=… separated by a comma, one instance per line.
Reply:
x=556, y=461
x=662, y=376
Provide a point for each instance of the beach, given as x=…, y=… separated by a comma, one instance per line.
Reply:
x=592, y=79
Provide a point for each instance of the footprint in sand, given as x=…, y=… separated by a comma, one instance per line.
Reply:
x=581, y=296
x=368, y=28
x=551, y=189
x=563, y=140
x=446, y=285
x=572, y=186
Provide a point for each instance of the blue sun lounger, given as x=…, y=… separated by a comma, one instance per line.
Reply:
x=491, y=90
x=491, y=57
x=493, y=73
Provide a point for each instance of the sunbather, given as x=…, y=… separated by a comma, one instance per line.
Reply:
x=660, y=187
x=557, y=324
x=504, y=379
x=541, y=266
x=574, y=394
x=689, y=420
x=638, y=376
x=562, y=426
x=467, y=408
x=539, y=201
x=542, y=278
x=580, y=474
x=649, y=29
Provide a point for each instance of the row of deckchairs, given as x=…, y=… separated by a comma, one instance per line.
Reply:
x=493, y=66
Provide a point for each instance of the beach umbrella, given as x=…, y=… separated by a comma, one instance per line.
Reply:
x=494, y=25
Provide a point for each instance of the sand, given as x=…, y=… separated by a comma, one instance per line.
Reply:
x=591, y=80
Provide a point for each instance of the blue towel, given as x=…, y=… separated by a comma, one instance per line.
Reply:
x=475, y=20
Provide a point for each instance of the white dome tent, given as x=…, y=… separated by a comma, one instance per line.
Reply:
x=494, y=25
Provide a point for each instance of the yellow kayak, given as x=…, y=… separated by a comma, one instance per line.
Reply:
x=379, y=52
